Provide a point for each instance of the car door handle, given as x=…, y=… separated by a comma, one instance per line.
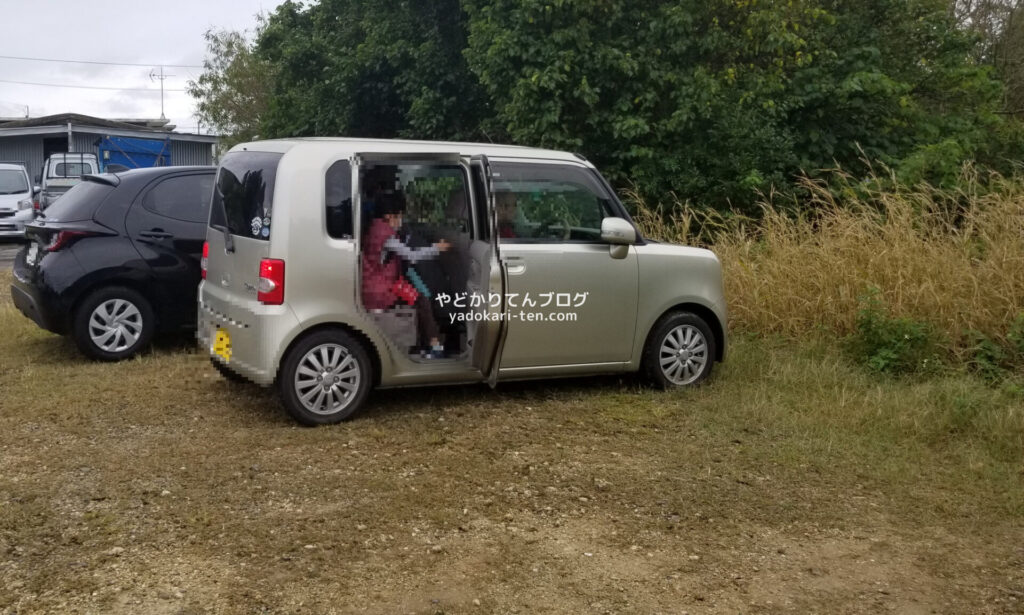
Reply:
x=515, y=265
x=155, y=234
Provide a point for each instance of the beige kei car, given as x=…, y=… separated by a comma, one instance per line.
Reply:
x=334, y=266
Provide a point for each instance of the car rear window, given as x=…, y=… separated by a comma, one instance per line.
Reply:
x=71, y=169
x=244, y=192
x=78, y=203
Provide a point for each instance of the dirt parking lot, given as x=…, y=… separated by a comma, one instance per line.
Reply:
x=784, y=486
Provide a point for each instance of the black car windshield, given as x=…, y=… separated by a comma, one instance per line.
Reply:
x=12, y=181
x=79, y=203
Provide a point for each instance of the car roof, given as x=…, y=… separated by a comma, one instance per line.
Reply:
x=343, y=145
x=135, y=177
x=16, y=166
x=73, y=156
x=154, y=171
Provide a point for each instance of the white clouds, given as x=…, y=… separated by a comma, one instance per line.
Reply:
x=110, y=31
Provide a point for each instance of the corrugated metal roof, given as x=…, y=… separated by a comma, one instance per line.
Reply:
x=75, y=118
x=86, y=123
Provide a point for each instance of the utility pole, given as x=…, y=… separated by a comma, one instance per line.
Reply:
x=161, y=76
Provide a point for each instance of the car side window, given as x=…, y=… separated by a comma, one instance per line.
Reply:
x=338, y=200
x=549, y=203
x=185, y=198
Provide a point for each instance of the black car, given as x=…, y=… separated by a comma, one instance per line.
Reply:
x=117, y=259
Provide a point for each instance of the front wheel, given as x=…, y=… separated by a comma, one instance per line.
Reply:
x=680, y=351
x=325, y=378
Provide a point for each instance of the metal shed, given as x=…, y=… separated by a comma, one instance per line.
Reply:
x=33, y=140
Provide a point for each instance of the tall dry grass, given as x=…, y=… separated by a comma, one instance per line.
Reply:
x=954, y=259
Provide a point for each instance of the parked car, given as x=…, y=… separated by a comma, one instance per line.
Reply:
x=116, y=259
x=320, y=253
x=61, y=172
x=16, y=195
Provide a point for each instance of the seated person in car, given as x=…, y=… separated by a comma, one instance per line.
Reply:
x=383, y=281
x=505, y=206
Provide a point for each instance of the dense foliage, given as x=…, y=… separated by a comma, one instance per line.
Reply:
x=712, y=100
x=234, y=90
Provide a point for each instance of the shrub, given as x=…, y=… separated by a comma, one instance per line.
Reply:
x=1015, y=337
x=892, y=345
x=988, y=358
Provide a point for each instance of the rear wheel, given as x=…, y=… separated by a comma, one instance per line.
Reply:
x=680, y=351
x=113, y=323
x=325, y=378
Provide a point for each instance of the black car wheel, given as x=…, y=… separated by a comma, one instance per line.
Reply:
x=113, y=323
x=680, y=351
x=325, y=378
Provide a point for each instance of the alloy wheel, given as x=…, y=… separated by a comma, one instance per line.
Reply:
x=327, y=379
x=683, y=354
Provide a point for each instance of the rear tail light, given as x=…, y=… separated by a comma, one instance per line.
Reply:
x=270, y=288
x=206, y=257
x=64, y=239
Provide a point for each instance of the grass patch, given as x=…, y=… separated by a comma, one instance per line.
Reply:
x=793, y=477
x=950, y=259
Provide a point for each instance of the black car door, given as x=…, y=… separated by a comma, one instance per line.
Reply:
x=167, y=225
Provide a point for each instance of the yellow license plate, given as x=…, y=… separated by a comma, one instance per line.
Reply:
x=222, y=344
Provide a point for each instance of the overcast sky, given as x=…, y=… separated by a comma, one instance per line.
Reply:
x=147, y=33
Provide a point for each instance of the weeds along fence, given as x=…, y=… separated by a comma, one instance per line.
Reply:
x=951, y=258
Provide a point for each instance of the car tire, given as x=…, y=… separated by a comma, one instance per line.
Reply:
x=113, y=323
x=680, y=351
x=325, y=378
x=227, y=373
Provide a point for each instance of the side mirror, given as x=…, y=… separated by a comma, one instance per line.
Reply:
x=617, y=231
x=620, y=234
x=36, y=190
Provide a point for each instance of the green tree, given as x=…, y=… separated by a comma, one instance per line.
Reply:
x=233, y=92
x=714, y=101
x=372, y=69
x=717, y=100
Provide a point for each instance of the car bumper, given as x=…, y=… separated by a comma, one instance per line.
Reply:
x=14, y=226
x=31, y=301
x=29, y=304
x=252, y=331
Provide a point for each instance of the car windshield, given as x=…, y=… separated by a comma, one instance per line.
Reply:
x=12, y=181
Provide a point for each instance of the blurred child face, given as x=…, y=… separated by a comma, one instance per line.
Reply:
x=393, y=220
x=506, y=206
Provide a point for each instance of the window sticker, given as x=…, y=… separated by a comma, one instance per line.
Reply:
x=257, y=225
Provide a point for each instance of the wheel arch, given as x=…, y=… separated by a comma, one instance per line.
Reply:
x=363, y=338
x=706, y=314
x=95, y=285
